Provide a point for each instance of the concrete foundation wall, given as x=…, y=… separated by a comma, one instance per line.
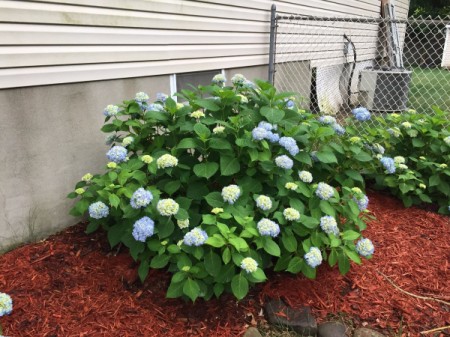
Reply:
x=50, y=138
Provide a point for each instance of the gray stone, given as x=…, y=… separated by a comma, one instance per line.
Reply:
x=252, y=332
x=331, y=329
x=364, y=332
x=299, y=320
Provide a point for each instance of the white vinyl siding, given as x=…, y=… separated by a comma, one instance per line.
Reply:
x=61, y=41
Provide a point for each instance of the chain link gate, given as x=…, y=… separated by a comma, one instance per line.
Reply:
x=383, y=64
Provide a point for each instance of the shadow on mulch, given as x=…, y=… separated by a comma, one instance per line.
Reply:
x=72, y=285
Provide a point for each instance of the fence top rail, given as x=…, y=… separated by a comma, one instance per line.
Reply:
x=359, y=19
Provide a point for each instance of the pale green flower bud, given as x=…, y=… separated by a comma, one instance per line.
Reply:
x=80, y=191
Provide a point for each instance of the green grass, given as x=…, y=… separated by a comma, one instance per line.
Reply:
x=429, y=87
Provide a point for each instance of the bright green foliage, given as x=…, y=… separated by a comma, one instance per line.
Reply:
x=218, y=150
x=423, y=141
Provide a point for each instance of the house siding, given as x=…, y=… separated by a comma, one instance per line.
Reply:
x=63, y=41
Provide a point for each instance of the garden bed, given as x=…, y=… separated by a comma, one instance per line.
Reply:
x=72, y=285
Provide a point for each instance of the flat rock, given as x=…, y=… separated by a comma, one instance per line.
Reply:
x=331, y=329
x=365, y=332
x=252, y=332
x=299, y=320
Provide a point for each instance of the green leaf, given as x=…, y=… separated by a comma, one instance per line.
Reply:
x=226, y=255
x=175, y=289
x=350, y=235
x=92, y=227
x=309, y=222
x=219, y=144
x=352, y=255
x=191, y=289
x=304, y=158
x=188, y=143
x=107, y=128
x=218, y=289
x=214, y=199
x=308, y=271
x=295, y=265
x=240, y=244
x=326, y=157
x=213, y=263
x=289, y=242
x=273, y=115
x=143, y=270
x=160, y=261
x=417, y=142
x=239, y=286
x=259, y=275
x=170, y=104
x=80, y=207
x=216, y=241
x=271, y=247
x=229, y=165
x=327, y=208
x=206, y=170
x=165, y=229
x=434, y=180
x=343, y=263
x=114, y=200
x=333, y=257
x=202, y=131
x=355, y=175
x=363, y=156
x=207, y=104
x=171, y=187
x=115, y=234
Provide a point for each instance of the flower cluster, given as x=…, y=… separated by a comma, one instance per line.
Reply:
x=324, y=191
x=305, y=176
x=291, y=186
x=249, y=265
x=354, y=139
x=167, y=207
x=141, y=198
x=290, y=145
x=127, y=141
x=117, y=154
x=361, y=114
x=183, y=223
x=378, y=148
x=388, y=163
x=365, y=247
x=218, y=129
x=143, y=229
x=399, y=160
x=264, y=131
x=394, y=132
x=111, y=110
x=161, y=97
x=219, y=79
x=155, y=107
x=313, y=257
x=80, y=191
x=141, y=97
x=217, y=210
x=362, y=201
x=166, y=160
x=329, y=225
x=231, y=193
x=111, y=165
x=242, y=98
x=406, y=125
x=98, y=210
x=447, y=140
x=268, y=227
x=6, y=304
x=264, y=202
x=87, y=177
x=338, y=129
x=291, y=214
x=197, y=114
x=327, y=120
x=147, y=159
x=238, y=79
x=195, y=237
x=284, y=162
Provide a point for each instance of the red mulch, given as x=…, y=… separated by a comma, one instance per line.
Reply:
x=72, y=285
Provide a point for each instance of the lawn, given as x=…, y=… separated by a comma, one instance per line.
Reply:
x=430, y=87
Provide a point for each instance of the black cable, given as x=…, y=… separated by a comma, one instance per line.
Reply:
x=349, y=86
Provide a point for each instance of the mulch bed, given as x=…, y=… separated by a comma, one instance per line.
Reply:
x=72, y=285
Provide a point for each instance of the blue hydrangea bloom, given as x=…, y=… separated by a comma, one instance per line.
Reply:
x=284, y=162
x=98, y=210
x=161, y=97
x=378, y=148
x=314, y=257
x=117, y=154
x=361, y=114
x=327, y=120
x=141, y=198
x=266, y=126
x=259, y=133
x=143, y=229
x=155, y=107
x=195, y=237
x=338, y=129
x=329, y=225
x=111, y=110
x=290, y=145
x=364, y=247
x=362, y=201
x=268, y=227
x=6, y=304
x=290, y=104
x=272, y=137
x=324, y=191
x=249, y=84
x=388, y=164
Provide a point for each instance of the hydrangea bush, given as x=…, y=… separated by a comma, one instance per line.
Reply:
x=6, y=307
x=413, y=152
x=234, y=180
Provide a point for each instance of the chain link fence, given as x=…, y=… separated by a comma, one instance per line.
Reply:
x=385, y=65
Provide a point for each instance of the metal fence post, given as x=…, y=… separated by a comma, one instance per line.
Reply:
x=273, y=25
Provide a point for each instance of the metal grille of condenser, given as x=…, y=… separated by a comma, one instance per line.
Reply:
x=335, y=64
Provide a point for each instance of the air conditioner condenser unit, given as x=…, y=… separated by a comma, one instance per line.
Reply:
x=384, y=90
